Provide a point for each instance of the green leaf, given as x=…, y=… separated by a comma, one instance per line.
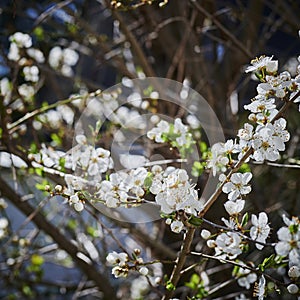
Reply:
x=203, y=147
x=39, y=33
x=72, y=224
x=39, y=172
x=245, y=219
x=197, y=169
x=244, y=168
x=93, y=232
x=27, y=290
x=37, y=260
x=56, y=139
x=41, y=186
x=235, y=270
x=267, y=263
x=170, y=286
x=195, y=221
x=148, y=181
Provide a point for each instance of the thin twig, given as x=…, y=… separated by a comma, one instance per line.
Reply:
x=234, y=40
x=43, y=109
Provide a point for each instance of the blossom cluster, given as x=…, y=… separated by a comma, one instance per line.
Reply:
x=123, y=263
x=177, y=134
x=90, y=169
x=174, y=192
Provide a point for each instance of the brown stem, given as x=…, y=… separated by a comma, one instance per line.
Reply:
x=225, y=31
x=180, y=261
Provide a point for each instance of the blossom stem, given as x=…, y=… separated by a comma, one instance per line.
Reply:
x=218, y=191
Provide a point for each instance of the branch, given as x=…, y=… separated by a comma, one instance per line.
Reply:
x=234, y=40
x=43, y=109
x=180, y=261
x=149, y=72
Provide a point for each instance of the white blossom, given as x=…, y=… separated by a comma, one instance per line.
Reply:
x=289, y=241
x=268, y=140
x=182, y=130
x=205, y=234
x=293, y=288
x=245, y=277
x=228, y=245
x=177, y=226
x=175, y=193
x=156, y=132
x=234, y=207
x=22, y=40
x=119, y=272
x=238, y=185
x=260, y=288
x=76, y=202
x=3, y=226
x=261, y=63
x=260, y=229
x=139, y=287
x=117, y=258
x=63, y=59
x=36, y=54
x=144, y=271
x=294, y=272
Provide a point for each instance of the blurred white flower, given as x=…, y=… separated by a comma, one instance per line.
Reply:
x=246, y=277
x=31, y=73
x=22, y=40
x=36, y=54
x=144, y=271
x=63, y=59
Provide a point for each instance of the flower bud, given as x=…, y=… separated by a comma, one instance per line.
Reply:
x=144, y=271
x=58, y=188
x=294, y=272
x=293, y=289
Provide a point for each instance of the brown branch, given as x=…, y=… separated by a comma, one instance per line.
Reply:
x=41, y=222
x=225, y=31
x=180, y=261
x=147, y=68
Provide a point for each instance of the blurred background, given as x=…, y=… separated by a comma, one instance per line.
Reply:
x=204, y=44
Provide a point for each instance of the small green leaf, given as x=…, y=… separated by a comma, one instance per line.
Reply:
x=245, y=219
x=197, y=169
x=37, y=260
x=195, y=221
x=56, y=139
x=170, y=286
x=235, y=270
x=267, y=263
x=148, y=181
x=244, y=168
x=203, y=147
